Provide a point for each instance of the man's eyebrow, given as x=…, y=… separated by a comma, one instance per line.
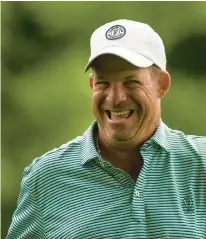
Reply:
x=127, y=77
x=99, y=77
x=130, y=77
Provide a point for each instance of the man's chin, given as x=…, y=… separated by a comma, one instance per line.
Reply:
x=120, y=135
x=118, y=131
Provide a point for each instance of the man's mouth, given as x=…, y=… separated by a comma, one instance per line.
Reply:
x=121, y=114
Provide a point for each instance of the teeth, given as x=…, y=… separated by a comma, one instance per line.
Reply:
x=125, y=112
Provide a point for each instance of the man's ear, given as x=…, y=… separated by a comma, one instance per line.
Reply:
x=163, y=83
x=91, y=80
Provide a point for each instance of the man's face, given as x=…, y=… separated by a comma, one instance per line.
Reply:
x=124, y=98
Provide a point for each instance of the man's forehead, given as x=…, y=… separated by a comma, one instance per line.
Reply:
x=111, y=62
x=120, y=74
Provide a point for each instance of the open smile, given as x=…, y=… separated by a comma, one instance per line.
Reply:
x=118, y=115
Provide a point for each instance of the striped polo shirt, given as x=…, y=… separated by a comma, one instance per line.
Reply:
x=71, y=193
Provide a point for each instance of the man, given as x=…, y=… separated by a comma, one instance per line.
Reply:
x=129, y=175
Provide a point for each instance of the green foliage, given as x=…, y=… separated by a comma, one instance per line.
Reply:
x=46, y=95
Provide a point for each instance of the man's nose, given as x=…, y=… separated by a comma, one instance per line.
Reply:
x=116, y=94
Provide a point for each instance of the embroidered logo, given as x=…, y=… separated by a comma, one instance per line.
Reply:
x=115, y=32
x=188, y=204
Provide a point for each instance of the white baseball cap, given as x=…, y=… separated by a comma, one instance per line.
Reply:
x=133, y=41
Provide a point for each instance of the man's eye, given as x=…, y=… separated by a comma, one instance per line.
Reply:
x=102, y=84
x=132, y=82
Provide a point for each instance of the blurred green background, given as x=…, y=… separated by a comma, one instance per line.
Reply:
x=45, y=94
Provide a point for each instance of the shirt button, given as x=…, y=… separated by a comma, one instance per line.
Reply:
x=137, y=193
x=101, y=164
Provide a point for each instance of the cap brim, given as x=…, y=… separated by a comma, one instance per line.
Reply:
x=128, y=55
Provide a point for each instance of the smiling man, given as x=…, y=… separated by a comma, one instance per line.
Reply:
x=129, y=176
x=126, y=105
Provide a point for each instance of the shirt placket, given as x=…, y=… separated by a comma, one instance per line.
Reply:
x=138, y=204
x=118, y=174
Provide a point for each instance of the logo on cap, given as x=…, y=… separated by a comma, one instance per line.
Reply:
x=115, y=32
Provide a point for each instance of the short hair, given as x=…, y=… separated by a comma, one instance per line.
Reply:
x=154, y=70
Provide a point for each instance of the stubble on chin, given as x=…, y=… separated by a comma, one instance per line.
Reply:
x=119, y=133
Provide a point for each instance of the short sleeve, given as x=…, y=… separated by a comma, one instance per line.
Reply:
x=27, y=221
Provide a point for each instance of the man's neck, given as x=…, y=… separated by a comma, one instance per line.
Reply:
x=123, y=155
x=129, y=160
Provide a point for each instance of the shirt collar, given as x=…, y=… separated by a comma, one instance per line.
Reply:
x=162, y=136
x=88, y=150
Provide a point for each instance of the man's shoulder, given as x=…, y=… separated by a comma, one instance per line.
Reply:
x=199, y=142
x=56, y=159
x=188, y=142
